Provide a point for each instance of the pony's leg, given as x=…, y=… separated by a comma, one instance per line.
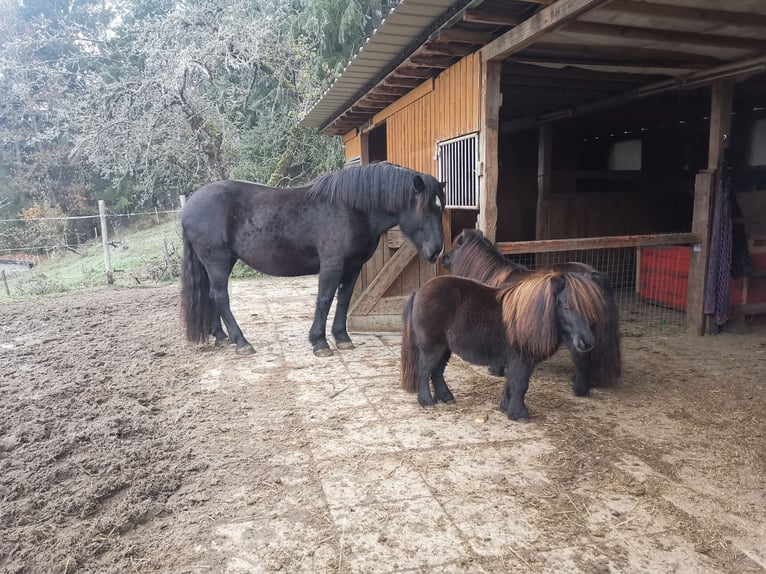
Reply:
x=496, y=370
x=582, y=377
x=441, y=390
x=339, y=330
x=219, y=293
x=517, y=373
x=330, y=274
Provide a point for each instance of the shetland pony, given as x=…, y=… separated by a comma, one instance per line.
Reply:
x=474, y=256
x=516, y=326
x=330, y=227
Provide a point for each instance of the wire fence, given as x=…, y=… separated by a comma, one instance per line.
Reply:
x=650, y=283
x=68, y=253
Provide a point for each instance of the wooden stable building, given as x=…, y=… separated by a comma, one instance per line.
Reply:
x=570, y=124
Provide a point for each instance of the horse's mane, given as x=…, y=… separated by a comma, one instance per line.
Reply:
x=529, y=309
x=478, y=259
x=370, y=187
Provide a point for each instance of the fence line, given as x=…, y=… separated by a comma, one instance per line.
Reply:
x=60, y=240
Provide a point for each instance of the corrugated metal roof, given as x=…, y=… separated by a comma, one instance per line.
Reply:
x=405, y=28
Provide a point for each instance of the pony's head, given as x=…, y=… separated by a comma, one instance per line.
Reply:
x=575, y=314
x=548, y=308
x=474, y=256
x=422, y=221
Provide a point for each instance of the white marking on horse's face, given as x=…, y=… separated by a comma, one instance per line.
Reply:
x=438, y=202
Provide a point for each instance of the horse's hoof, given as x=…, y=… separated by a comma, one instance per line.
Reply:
x=523, y=420
x=345, y=345
x=245, y=350
x=323, y=352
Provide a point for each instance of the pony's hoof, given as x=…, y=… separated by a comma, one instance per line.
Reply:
x=323, y=352
x=345, y=345
x=523, y=420
x=245, y=350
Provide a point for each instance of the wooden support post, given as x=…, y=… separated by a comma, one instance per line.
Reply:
x=5, y=283
x=544, y=163
x=704, y=193
x=489, y=120
x=105, y=241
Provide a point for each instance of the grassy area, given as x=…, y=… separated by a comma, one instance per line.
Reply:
x=140, y=257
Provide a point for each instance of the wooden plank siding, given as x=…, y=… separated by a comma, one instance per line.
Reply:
x=439, y=109
x=353, y=144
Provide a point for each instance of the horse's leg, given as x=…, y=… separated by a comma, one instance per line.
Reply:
x=441, y=390
x=215, y=319
x=346, y=289
x=517, y=373
x=219, y=293
x=330, y=274
x=582, y=377
x=496, y=370
x=215, y=316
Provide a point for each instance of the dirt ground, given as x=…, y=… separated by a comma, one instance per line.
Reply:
x=124, y=449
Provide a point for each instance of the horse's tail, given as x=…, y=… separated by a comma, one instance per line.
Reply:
x=606, y=356
x=195, y=299
x=410, y=352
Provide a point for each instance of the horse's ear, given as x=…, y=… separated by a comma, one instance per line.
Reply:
x=558, y=282
x=419, y=185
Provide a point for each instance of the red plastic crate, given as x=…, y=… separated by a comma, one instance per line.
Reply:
x=664, y=275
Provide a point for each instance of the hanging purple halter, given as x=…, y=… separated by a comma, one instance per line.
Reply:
x=719, y=268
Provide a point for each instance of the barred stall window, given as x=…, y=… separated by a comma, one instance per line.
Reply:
x=457, y=160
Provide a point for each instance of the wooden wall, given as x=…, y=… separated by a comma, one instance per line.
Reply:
x=353, y=144
x=439, y=109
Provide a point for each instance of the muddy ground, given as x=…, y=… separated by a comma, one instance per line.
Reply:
x=123, y=449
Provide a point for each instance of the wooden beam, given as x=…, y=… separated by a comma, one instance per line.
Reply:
x=666, y=36
x=715, y=17
x=459, y=36
x=704, y=192
x=531, y=29
x=550, y=245
x=383, y=280
x=645, y=57
x=489, y=16
x=544, y=168
x=422, y=73
x=695, y=79
x=441, y=62
x=452, y=50
x=423, y=89
x=489, y=122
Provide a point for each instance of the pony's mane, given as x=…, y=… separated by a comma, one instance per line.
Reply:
x=478, y=259
x=370, y=187
x=529, y=309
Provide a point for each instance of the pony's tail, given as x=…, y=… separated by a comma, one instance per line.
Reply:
x=606, y=356
x=195, y=299
x=410, y=353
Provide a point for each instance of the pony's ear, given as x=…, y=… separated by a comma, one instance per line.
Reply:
x=419, y=185
x=602, y=279
x=558, y=282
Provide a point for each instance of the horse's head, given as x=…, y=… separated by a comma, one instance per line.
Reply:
x=464, y=238
x=578, y=302
x=422, y=223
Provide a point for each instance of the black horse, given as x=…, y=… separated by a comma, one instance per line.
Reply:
x=474, y=256
x=516, y=326
x=330, y=227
